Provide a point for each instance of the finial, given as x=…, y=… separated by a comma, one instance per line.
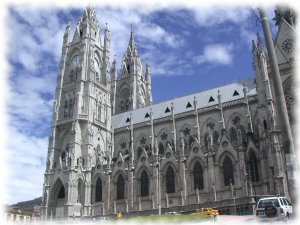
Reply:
x=131, y=27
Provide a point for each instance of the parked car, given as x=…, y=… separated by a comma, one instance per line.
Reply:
x=273, y=208
x=206, y=212
x=172, y=213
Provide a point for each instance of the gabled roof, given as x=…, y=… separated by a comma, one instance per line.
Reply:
x=179, y=104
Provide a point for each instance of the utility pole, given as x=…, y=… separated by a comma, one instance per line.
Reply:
x=287, y=139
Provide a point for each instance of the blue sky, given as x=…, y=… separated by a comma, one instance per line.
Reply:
x=189, y=49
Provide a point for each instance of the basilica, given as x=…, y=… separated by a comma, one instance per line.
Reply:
x=111, y=150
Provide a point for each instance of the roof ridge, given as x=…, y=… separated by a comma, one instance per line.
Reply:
x=207, y=89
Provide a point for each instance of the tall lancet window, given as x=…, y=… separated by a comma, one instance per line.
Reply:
x=80, y=192
x=206, y=140
x=68, y=158
x=161, y=149
x=215, y=137
x=198, y=176
x=99, y=111
x=120, y=187
x=63, y=158
x=233, y=135
x=253, y=167
x=128, y=68
x=66, y=109
x=144, y=184
x=71, y=107
x=98, y=193
x=170, y=180
x=228, y=171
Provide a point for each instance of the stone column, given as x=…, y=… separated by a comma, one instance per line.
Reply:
x=108, y=192
x=211, y=169
x=174, y=127
x=242, y=171
x=182, y=166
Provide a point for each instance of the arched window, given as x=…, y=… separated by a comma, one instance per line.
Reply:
x=170, y=180
x=63, y=158
x=253, y=167
x=61, y=193
x=98, y=194
x=144, y=184
x=256, y=134
x=233, y=135
x=206, y=140
x=228, y=171
x=80, y=192
x=215, y=137
x=198, y=176
x=161, y=149
x=120, y=187
x=99, y=110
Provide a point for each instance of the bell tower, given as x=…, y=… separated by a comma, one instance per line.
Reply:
x=80, y=134
x=132, y=88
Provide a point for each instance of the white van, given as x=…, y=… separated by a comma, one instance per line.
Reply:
x=273, y=208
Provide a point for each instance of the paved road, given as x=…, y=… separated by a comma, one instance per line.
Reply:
x=250, y=219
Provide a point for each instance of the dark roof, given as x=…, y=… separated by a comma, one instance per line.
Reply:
x=27, y=204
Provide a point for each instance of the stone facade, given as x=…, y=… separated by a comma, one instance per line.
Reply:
x=111, y=150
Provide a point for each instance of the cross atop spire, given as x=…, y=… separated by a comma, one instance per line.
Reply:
x=132, y=27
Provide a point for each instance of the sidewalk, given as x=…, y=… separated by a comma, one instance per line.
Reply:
x=231, y=219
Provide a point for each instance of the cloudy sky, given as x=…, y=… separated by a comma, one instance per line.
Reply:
x=189, y=49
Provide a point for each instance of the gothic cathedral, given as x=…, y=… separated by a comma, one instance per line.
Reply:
x=111, y=150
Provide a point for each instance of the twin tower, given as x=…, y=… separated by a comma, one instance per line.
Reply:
x=88, y=93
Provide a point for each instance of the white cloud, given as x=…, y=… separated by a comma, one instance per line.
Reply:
x=213, y=15
x=27, y=163
x=216, y=54
x=34, y=35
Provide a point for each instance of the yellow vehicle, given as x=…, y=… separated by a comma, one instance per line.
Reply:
x=206, y=212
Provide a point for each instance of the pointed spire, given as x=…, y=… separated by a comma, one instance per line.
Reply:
x=114, y=69
x=259, y=43
x=147, y=73
x=131, y=50
x=221, y=109
x=131, y=40
x=106, y=38
x=66, y=34
x=245, y=90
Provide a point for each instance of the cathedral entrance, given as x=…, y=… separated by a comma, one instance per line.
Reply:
x=58, y=200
